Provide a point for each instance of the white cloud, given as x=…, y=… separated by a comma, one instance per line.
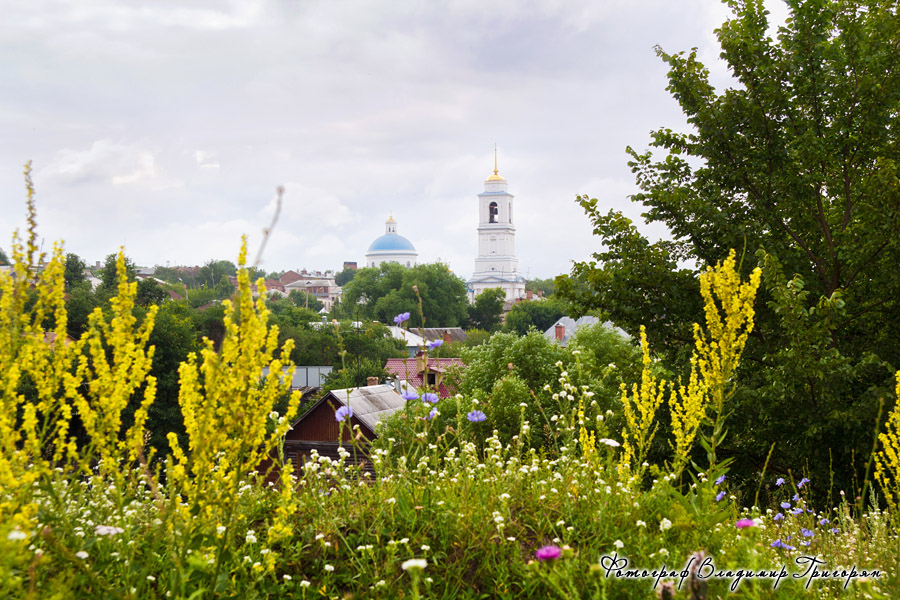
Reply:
x=168, y=125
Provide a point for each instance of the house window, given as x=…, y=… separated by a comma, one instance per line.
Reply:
x=432, y=379
x=492, y=211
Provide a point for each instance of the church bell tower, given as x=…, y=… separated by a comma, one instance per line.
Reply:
x=496, y=265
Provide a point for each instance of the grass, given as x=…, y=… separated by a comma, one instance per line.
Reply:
x=476, y=517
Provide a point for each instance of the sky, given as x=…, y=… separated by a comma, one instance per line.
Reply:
x=166, y=127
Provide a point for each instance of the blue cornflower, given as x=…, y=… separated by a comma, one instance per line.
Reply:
x=779, y=482
x=785, y=505
x=802, y=482
x=430, y=397
x=720, y=480
x=435, y=344
x=806, y=532
x=476, y=416
x=778, y=516
x=796, y=498
x=409, y=395
x=824, y=521
x=432, y=414
x=780, y=544
x=720, y=495
x=834, y=530
x=344, y=412
x=797, y=511
x=401, y=318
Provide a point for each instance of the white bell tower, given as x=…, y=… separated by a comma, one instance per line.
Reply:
x=496, y=265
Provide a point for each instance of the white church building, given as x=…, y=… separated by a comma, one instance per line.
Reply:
x=496, y=265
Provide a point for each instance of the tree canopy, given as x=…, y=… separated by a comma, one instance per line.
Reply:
x=381, y=293
x=796, y=167
x=540, y=314
x=487, y=310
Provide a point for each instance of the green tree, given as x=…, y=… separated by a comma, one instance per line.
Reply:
x=149, y=292
x=383, y=292
x=546, y=287
x=109, y=279
x=224, y=288
x=80, y=302
x=199, y=297
x=174, y=336
x=212, y=272
x=486, y=311
x=306, y=300
x=74, y=273
x=344, y=276
x=540, y=314
x=4, y=260
x=797, y=165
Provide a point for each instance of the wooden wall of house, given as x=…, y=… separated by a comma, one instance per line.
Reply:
x=320, y=426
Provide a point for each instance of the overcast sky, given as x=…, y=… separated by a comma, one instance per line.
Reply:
x=166, y=126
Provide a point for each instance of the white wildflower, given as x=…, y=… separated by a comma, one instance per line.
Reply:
x=414, y=563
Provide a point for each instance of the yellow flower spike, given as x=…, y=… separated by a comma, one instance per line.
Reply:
x=887, y=460
x=640, y=413
x=226, y=401
x=728, y=307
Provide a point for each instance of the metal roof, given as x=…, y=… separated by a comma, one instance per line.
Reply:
x=370, y=404
x=392, y=242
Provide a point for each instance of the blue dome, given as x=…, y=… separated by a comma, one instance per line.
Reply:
x=392, y=242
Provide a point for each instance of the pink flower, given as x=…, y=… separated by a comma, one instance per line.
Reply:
x=548, y=553
x=744, y=523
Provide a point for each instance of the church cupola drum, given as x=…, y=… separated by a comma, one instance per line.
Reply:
x=496, y=265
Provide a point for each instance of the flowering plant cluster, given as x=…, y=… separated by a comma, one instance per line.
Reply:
x=455, y=509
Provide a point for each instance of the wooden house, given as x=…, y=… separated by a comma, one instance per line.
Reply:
x=318, y=429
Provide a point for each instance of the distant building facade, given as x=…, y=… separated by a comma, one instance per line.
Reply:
x=316, y=283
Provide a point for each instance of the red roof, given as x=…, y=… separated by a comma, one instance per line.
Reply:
x=405, y=368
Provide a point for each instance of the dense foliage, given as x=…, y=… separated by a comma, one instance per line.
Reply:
x=796, y=164
x=380, y=293
x=453, y=511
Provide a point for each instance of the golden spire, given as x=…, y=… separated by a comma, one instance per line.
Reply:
x=496, y=176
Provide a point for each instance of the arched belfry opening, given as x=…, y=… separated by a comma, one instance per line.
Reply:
x=493, y=211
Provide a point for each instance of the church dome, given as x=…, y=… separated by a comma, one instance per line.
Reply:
x=392, y=242
x=391, y=247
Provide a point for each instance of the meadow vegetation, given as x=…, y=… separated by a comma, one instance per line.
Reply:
x=535, y=481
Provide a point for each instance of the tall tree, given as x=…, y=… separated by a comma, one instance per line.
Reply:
x=74, y=273
x=109, y=278
x=796, y=165
x=486, y=311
